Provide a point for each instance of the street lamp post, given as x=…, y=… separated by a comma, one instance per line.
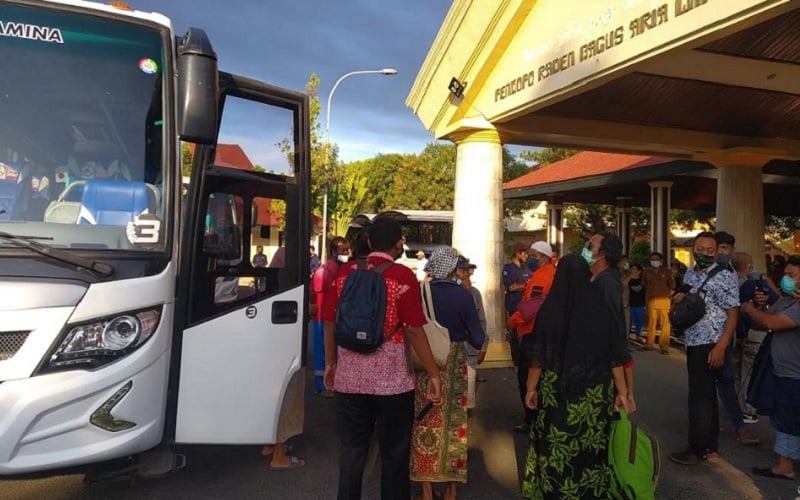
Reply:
x=384, y=71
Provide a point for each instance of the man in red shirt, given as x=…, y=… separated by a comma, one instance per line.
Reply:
x=375, y=391
x=338, y=254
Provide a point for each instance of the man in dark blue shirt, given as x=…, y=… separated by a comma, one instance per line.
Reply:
x=515, y=275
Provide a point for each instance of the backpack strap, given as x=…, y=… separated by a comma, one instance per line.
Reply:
x=381, y=268
x=361, y=264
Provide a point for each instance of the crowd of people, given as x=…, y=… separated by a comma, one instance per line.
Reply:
x=580, y=324
x=569, y=322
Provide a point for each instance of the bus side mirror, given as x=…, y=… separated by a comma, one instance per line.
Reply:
x=198, y=88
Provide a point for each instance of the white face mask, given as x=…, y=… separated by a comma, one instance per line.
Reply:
x=655, y=263
x=343, y=258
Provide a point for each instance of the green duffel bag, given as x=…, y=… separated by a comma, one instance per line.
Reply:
x=634, y=457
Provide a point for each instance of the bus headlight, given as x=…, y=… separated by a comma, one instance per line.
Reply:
x=93, y=344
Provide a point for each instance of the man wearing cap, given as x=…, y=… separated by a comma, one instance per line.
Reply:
x=464, y=270
x=421, y=263
x=539, y=284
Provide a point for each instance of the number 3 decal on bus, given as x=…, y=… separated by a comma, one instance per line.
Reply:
x=144, y=230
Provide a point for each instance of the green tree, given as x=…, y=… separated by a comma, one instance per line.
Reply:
x=324, y=157
x=640, y=253
x=186, y=159
x=379, y=173
x=513, y=168
x=688, y=219
x=348, y=197
x=425, y=181
x=546, y=156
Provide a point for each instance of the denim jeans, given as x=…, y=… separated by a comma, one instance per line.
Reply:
x=726, y=387
x=319, y=355
x=637, y=319
x=390, y=418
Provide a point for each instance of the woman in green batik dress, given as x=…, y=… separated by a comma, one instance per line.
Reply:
x=575, y=381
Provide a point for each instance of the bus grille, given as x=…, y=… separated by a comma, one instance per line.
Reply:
x=10, y=343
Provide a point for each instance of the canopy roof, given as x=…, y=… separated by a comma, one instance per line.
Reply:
x=600, y=178
x=683, y=79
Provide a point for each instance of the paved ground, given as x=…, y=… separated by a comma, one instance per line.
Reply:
x=495, y=454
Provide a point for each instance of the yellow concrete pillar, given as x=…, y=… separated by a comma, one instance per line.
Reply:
x=740, y=198
x=478, y=223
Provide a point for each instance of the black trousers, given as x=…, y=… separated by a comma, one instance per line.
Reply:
x=703, y=406
x=390, y=418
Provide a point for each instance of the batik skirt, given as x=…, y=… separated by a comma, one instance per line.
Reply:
x=439, y=440
x=568, y=452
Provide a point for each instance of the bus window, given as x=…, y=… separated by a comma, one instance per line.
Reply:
x=223, y=231
x=269, y=219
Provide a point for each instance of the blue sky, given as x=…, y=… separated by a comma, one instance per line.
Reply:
x=283, y=41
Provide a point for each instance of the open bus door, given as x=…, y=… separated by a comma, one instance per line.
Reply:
x=238, y=366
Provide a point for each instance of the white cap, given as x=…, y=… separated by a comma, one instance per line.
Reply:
x=543, y=247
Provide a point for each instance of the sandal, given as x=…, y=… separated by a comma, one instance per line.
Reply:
x=768, y=472
x=294, y=463
x=748, y=440
x=287, y=448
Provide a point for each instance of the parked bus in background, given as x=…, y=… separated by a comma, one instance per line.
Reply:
x=127, y=315
x=423, y=230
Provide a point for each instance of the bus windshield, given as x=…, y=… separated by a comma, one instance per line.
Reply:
x=82, y=130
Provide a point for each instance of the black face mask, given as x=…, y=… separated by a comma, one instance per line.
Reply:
x=532, y=263
x=703, y=261
x=724, y=259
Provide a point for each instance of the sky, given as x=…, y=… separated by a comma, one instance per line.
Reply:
x=282, y=42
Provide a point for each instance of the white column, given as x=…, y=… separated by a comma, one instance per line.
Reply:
x=740, y=197
x=624, y=222
x=660, y=205
x=478, y=220
x=555, y=227
x=740, y=208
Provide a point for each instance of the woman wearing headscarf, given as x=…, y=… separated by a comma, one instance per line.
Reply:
x=575, y=381
x=439, y=437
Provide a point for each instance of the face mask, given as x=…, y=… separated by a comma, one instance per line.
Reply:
x=755, y=275
x=703, y=260
x=458, y=281
x=627, y=266
x=343, y=258
x=788, y=285
x=742, y=281
x=655, y=263
x=723, y=259
x=588, y=256
x=532, y=263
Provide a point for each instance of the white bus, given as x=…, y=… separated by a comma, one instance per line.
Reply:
x=131, y=315
x=422, y=229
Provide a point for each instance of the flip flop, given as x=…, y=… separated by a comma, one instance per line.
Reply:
x=767, y=472
x=294, y=463
x=287, y=448
x=748, y=441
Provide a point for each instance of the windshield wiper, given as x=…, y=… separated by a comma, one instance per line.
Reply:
x=98, y=268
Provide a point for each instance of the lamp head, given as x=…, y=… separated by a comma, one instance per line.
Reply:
x=388, y=71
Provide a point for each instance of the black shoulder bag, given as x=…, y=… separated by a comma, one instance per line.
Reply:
x=692, y=308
